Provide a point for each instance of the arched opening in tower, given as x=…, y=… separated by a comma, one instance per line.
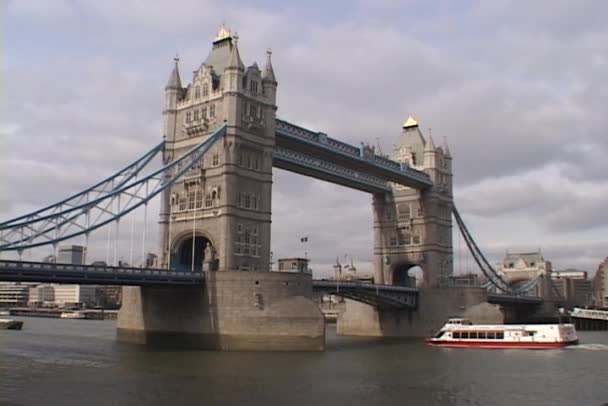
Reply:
x=407, y=275
x=185, y=257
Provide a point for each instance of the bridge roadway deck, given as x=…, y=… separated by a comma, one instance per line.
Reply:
x=502, y=299
x=594, y=314
x=381, y=296
x=43, y=272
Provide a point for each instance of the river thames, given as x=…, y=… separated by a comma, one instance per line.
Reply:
x=76, y=362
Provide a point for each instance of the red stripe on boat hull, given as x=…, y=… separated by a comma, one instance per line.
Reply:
x=498, y=344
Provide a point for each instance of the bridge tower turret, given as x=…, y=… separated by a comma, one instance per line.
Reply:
x=222, y=207
x=173, y=94
x=414, y=227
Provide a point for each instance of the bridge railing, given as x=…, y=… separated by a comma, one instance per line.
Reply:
x=323, y=141
x=330, y=168
x=328, y=283
x=49, y=266
x=589, y=313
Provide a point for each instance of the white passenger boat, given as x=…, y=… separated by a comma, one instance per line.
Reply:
x=9, y=324
x=73, y=315
x=463, y=333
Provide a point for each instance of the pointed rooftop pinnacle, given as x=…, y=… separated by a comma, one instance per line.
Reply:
x=223, y=33
x=235, y=59
x=446, y=149
x=430, y=145
x=268, y=74
x=174, y=80
x=410, y=122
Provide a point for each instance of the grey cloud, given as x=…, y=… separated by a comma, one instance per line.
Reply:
x=510, y=102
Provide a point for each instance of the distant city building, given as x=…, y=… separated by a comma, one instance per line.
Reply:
x=570, y=273
x=469, y=279
x=72, y=254
x=349, y=272
x=75, y=295
x=600, y=285
x=293, y=265
x=41, y=295
x=109, y=297
x=574, y=287
x=14, y=294
x=151, y=260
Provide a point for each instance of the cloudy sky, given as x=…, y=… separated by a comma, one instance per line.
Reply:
x=519, y=88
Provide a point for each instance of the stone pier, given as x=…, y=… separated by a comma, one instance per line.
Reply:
x=435, y=306
x=233, y=311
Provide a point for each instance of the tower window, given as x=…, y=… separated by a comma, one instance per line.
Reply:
x=254, y=86
x=212, y=110
x=191, y=200
x=197, y=92
x=253, y=111
x=208, y=200
x=416, y=239
x=182, y=201
x=205, y=90
x=196, y=113
x=199, y=199
x=404, y=212
x=204, y=112
x=216, y=160
x=188, y=117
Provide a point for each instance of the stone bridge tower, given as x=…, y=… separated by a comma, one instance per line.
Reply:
x=414, y=227
x=217, y=217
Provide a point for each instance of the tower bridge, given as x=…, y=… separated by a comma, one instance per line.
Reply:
x=221, y=141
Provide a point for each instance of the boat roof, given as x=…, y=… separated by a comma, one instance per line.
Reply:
x=510, y=326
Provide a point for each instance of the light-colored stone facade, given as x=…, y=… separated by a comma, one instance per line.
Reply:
x=226, y=201
x=234, y=311
x=522, y=267
x=600, y=285
x=414, y=227
x=216, y=219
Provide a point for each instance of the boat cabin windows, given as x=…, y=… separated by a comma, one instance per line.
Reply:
x=478, y=335
x=464, y=322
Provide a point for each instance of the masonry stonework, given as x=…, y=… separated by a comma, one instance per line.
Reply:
x=216, y=219
x=414, y=227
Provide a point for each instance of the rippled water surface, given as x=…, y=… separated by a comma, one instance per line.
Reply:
x=77, y=362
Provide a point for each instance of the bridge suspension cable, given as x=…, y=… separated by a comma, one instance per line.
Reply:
x=112, y=183
x=494, y=278
x=111, y=199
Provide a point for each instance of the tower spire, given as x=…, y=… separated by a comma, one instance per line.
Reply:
x=446, y=149
x=174, y=80
x=268, y=74
x=430, y=145
x=235, y=59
